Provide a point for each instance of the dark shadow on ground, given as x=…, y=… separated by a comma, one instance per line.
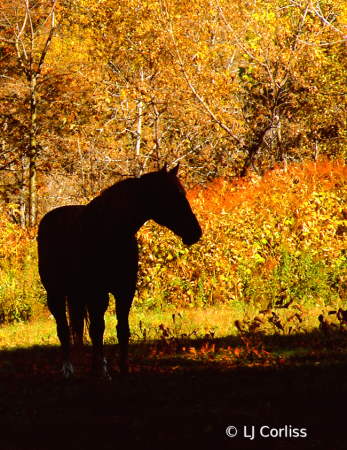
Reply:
x=172, y=402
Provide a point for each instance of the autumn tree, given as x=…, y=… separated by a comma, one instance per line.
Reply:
x=27, y=30
x=147, y=113
x=49, y=105
x=92, y=92
x=256, y=70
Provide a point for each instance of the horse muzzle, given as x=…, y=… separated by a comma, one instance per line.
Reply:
x=192, y=238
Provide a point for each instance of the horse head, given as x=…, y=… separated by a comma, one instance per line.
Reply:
x=164, y=201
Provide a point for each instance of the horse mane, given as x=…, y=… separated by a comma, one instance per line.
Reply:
x=128, y=184
x=118, y=186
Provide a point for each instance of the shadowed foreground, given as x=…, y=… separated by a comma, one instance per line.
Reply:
x=170, y=403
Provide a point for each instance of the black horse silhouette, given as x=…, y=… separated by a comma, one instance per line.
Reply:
x=87, y=252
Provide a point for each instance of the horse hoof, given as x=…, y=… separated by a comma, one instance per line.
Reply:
x=100, y=371
x=102, y=376
x=67, y=369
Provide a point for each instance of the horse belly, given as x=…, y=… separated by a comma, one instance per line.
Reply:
x=103, y=267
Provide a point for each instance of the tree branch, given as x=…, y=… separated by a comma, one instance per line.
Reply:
x=197, y=96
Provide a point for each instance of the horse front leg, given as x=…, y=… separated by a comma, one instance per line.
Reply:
x=123, y=305
x=97, y=305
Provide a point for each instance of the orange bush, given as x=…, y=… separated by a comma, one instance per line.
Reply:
x=249, y=226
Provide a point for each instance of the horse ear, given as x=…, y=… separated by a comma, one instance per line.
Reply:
x=164, y=169
x=174, y=170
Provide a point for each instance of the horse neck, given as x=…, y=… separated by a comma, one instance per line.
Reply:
x=118, y=209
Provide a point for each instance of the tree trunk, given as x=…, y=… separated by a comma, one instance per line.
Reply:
x=279, y=139
x=139, y=129
x=253, y=150
x=32, y=154
x=157, y=134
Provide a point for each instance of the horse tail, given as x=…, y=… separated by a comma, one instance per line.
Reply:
x=78, y=316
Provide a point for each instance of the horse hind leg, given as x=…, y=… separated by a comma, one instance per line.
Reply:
x=57, y=306
x=77, y=316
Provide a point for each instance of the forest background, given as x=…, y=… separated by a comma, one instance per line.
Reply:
x=249, y=97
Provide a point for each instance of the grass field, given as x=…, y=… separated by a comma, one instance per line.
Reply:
x=191, y=378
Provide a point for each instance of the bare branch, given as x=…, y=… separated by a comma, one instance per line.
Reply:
x=44, y=52
x=196, y=95
x=301, y=24
x=10, y=41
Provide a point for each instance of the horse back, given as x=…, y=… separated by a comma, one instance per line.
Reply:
x=56, y=236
